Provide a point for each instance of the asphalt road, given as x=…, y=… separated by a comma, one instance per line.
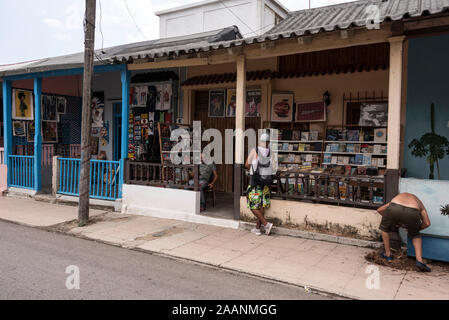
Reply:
x=33, y=265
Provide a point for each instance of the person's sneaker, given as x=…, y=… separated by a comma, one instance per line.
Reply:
x=268, y=228
x=384, y=256
x=256, y=231
x=422, y=267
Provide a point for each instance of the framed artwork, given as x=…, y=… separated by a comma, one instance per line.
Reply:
x=49, y=108
x=231, y=102
x=19, y=129
x=22, y=104
x=217, y=103
x=253, y=103
x=49, y=132
x=97, y=109
x=374, y=115
x=62, y=105
x=30, y=131
x=282, y=107
x=310, y=111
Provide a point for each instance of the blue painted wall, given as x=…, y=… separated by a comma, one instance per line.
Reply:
x=428, y=81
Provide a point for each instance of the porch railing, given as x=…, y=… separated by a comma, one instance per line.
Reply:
x=21, y=171
x=162, y=175
x=358, y=191
x=103, y=182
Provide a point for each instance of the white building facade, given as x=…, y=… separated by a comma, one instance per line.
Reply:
x=252, y=17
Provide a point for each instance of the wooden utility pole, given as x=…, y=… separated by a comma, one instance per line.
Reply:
x=86, y=118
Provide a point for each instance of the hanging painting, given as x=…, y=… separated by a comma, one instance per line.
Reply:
x=62, y=105
x=19, y=129
x=253, y=103
x=310, y=111
x=104, y=134
x=217, y=103
x=231, y=102
x=94, y=142
x=282, y=107
x=22, y=105
x=30, y=131
x=49, y=108
x=374, y=115
x=49, y=131
x=97, y=109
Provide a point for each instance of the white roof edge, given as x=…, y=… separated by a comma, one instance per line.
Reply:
x=205, y=2
x=278, y=4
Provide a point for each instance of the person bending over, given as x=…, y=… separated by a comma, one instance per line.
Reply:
x=407, y=211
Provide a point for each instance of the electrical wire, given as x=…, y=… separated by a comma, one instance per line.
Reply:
x=235, y=15
x=132, y=17
x=101, y=30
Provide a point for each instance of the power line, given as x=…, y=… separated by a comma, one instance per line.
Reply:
x=101, y=30
x=235, y=15
x=132, y=17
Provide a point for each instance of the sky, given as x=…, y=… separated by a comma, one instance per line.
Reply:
x=31, y=29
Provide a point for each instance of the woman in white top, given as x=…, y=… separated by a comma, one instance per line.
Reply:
x=260, y=163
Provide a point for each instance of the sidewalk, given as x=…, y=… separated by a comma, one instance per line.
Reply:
x=323, y=266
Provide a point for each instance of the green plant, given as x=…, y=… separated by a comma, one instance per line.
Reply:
x=431, y=146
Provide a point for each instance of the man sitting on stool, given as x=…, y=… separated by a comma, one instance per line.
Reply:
x=408, y=211
x=206, y=173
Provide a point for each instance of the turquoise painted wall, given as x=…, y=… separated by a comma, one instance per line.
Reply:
x=428, y=81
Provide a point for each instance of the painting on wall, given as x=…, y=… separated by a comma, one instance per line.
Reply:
x=62, y=105
x=19, y=129
x=253, y=103
x=49, y=108
x=49, y=132
x=282, y=107
x=217, y=103
x=94, y=145
x=310, y=111
x=104, y=134
x=97, y=109
x=374, y=115
x=22, y=105
x=30, y=131
x=231, y=102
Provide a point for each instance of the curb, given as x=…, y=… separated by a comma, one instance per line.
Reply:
x=247, y=226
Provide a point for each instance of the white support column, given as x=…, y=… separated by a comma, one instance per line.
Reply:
x=395, y=102
x=240, y=110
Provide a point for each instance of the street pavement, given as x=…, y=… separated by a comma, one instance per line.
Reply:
x=33, y=265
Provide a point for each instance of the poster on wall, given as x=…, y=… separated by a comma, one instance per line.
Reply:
x=374, y=115
x=49, y=108
x=62, y=105
x=217, y=103
x=282, y=107
x=49, y=132
x=104, y=134
x=30, y=131
x=97, y=109
x=22, y=105
x=19, y=129
x=253, y=103
x=310, y=111
x=151, y=123
x=231, y=102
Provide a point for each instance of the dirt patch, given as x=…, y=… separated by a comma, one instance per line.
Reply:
x=402, y=262
x=67, y=226
x=160, y=234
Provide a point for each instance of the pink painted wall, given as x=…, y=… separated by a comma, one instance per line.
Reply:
x=66, y=85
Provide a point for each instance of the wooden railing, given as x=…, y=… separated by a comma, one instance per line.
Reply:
x=162, y=175
x=358, y=191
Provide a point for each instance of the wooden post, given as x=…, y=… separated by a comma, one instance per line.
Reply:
x=239, y=131
x=89, y=46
